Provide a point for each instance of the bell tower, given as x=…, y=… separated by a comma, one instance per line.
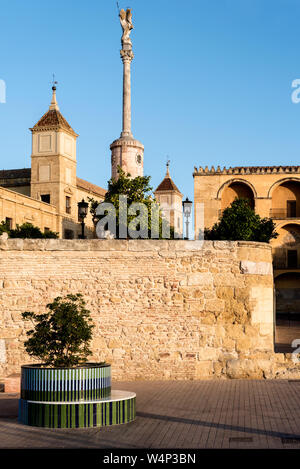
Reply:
x=53, y=161
x=127, y=152
x=169, y=198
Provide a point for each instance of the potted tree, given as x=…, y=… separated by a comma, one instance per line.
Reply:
x=66, y=391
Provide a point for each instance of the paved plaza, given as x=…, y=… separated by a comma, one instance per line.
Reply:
x=180, y=414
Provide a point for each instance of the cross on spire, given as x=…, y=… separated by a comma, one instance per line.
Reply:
x=54, y=82
x=168, y=165
x=54, y=105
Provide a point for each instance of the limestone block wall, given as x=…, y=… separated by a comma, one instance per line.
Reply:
x=162, y=309
x=22, y=209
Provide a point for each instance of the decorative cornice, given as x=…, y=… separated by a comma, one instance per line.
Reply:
x=244, y=170
x=127, y=142
x=53, y=129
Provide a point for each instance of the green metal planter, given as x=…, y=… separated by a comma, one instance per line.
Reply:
x=72, y=397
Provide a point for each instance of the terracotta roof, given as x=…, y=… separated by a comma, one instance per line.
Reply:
x=88, y=186
x=25, y=173
x=53, y=119
x=167, y=185
x=15, y=173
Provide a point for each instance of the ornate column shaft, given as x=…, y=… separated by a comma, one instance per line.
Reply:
x=127, y=56
x=126, y=151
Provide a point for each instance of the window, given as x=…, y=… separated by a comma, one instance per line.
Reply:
x=69, y=234
x=46, y=229
x=291, y=208
x=45, y=198
x=68, y=204
x=292, y=259
x=8, y=222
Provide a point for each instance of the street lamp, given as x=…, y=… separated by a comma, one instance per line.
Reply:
x=82, y=213
x=187, y=209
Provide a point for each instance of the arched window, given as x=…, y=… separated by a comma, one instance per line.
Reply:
x=235, y=190
x=286, y=200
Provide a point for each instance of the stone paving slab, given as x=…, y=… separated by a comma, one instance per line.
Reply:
x=179, y=414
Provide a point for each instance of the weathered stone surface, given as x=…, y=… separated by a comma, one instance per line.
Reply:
x=256, y=268
x=2, y=351
x=162, y=310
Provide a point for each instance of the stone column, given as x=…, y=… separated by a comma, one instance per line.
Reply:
x=127, y=56
x=126, y=151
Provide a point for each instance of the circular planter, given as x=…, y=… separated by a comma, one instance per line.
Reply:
x=72, y=397
x=92, y=381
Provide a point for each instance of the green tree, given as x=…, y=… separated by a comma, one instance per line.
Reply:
x=4, y=228
x=136, y=189
x=27, y=230
x=239, y=222
x=61, y=336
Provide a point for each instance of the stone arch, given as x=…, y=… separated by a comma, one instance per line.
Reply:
x=285, y=196
x=287, y=313
x=278, y=183
x=283, y=223
x=286, y=247
x=233, y=180
x=237, y=189
x=287, y=287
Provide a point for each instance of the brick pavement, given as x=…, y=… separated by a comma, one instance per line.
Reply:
x=180, y=414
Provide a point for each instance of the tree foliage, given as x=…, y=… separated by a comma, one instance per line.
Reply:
x=27, y=230
x=239, y=222
x=4, y=228
x=136, y=189
x=61, y=336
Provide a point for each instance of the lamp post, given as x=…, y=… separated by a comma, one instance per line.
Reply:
x=82, y=213
x=187, y=209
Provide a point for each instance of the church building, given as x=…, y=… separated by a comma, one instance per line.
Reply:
x=47, y=194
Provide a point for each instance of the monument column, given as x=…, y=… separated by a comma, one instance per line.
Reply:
x=126, y=152
x=127, y=56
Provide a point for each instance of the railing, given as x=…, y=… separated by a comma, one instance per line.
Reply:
x=282, y=213
x=282, y=265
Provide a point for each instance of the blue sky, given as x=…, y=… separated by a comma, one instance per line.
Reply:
x=211, y=81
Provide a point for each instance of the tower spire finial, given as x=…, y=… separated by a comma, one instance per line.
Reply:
x=54, y=104
x=168, y=165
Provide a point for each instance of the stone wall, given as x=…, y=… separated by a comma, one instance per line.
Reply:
x=22, y=209
x=162, y=309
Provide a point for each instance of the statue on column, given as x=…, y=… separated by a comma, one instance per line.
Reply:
x=126, y=23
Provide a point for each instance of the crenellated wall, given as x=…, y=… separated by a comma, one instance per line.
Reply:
x=162, y=309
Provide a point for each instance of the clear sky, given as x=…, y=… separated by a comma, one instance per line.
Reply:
x=211, y=81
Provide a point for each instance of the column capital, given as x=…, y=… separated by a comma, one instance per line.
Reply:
x=126, y=55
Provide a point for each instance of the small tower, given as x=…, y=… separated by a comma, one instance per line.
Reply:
x=169, y=198
x=53, y=161
x=127, y=152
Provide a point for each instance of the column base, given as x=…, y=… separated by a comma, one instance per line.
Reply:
x=117, y=409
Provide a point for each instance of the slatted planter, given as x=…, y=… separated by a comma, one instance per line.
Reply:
x=72, y=397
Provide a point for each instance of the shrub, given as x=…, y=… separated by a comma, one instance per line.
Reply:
x=27, y=230
x=61, y=337
x=239, y=222
x=4, y=228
